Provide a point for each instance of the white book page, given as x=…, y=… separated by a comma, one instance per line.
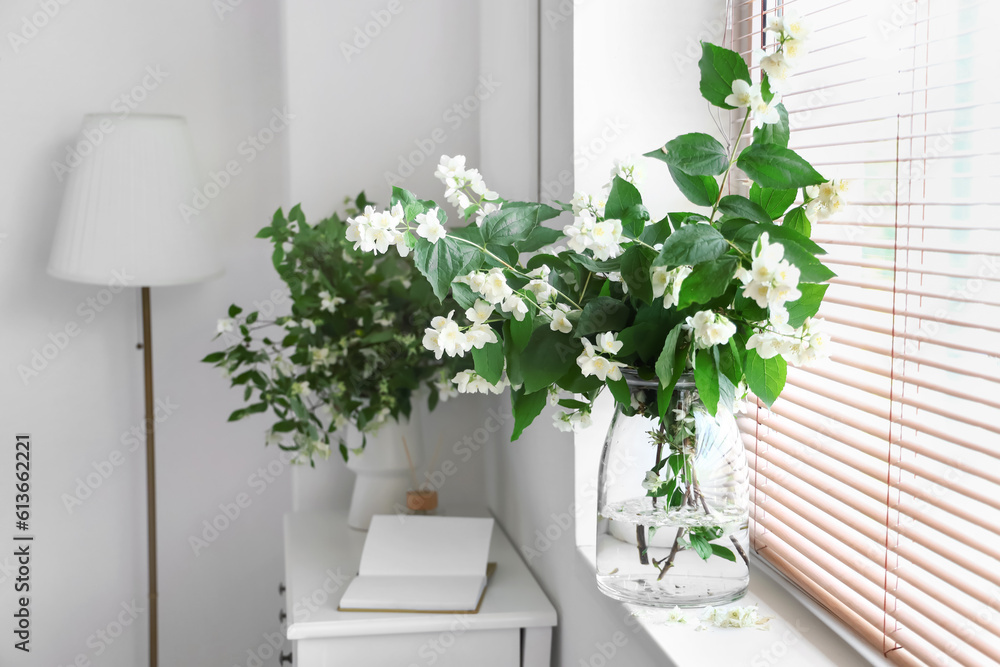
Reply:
x=418, y=546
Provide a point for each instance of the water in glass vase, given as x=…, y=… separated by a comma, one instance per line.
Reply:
x=673, y=502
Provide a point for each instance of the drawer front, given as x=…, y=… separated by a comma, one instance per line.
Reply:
x=451, y=648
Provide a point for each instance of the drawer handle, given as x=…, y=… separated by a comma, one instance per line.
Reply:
x=281, y=588
x=282, y=615
x=286, y=657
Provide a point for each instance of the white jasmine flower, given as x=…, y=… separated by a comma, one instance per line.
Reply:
x=591, y=363
x=652, y=481
x=542, y=290
x=445, y=387
x=667, y=283
x=606, y=238
x=710, y=328
x=486, y=209
x=560, y=322
x=480, y=335
x=470, y=382
x=794, y=50
x=571, y=421
x=495, y=287
x=765, y=113
x=450, y=167
x=516, y=306
x=225, y=325
x=561, y=421
x=608, y=344
x=429, y=226
x=445, y=337
x=743, y=94
x=776, y=67
x=676, y=615
x=480, y=312
x=320, y=357
x=735, y=617
x=308, y=324
x=301, y=388
x=329, y=302
x=794, y=26
x=578, y=235
x=580, y=202
x=628, y=169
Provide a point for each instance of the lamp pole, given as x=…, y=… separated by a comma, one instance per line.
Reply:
x=147, y=354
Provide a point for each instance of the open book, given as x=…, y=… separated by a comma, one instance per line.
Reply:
x=421, y=563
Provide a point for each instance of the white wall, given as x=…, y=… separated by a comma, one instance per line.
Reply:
x=380, y=89
x=225, y=74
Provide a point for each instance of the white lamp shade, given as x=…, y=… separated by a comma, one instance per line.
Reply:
x=123, y=209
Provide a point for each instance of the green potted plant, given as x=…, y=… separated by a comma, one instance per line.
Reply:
x=347, y=357
x=677, y=314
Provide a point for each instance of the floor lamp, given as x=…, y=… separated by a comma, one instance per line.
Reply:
x=121, y=222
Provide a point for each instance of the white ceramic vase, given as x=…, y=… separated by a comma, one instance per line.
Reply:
x=383, y=472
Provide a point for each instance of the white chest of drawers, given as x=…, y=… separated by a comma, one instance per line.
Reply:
x=512, y=629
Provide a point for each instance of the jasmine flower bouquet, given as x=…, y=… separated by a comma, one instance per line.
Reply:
x=727, y=291
x=349, y=351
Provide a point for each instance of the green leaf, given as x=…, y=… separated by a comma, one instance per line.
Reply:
x=774, y=202
x=515, y=222
x=525, y=408
x=700, y=190
x=411, y=205
x=521, y=330
x=776, y=134
x=512, y=355
x=234, y=310
x=636, y=262
x=464, y=295
x=623, y=196
x=798, y=221
x=697, y=154
x=656, y=232
x=538, y=238
x=603, y=313
x=719, y=68
x=213, y=357
x=736, y=206
x=445, y=260
x=775, y=167
x=765, y=377
x=619, y=389
x=707, y=280
x=691, y=244
x=572, y=404
x=811, y=269
x=470, y=232
x=702, y=546
x=706, y=379
x=666, y=364
x=723, y=552
x=748, y=234
x=547, y=358
x=265, y=232
x=489, y=361
x=806, y=305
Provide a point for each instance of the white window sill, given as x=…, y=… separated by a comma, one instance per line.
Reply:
x=800, y=631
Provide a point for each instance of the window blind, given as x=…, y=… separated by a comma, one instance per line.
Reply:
x=876, y=475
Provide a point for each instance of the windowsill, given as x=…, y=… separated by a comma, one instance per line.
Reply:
x=800, y=632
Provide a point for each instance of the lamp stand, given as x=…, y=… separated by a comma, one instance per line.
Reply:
x=147, y=354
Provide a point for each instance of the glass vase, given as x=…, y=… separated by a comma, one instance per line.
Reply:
x=673, y=501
